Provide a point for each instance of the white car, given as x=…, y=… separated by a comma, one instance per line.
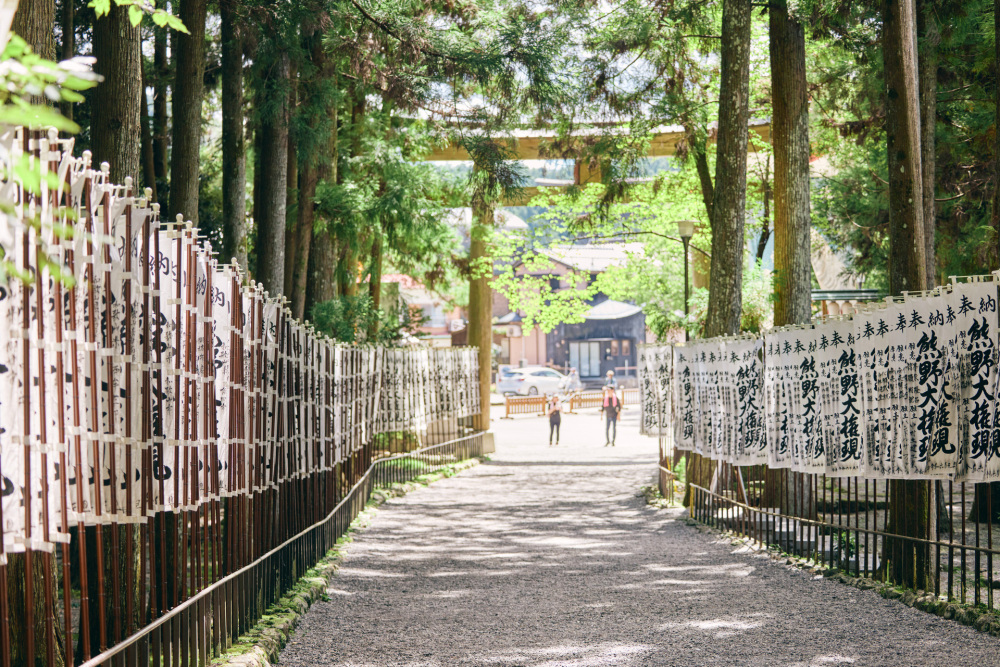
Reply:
x=531, y=381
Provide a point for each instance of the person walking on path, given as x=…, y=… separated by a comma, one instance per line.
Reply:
x=555, y=417
x=610, y=407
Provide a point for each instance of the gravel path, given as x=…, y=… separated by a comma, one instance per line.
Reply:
x=545, y=556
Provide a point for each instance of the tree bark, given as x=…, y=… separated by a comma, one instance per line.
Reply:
x=928, y=65
x=114, y=131
x=189, y=84
x=161, y=140
x=375, y=282
x=33, y=22
x=68, y=46
x=321, y=261
x=292, y=185
x=996, y=124
x=904, y=561
x=765, y=231
x=22, y=653
x=234, y=154
x=907, y=263
x=725, y=298
x=790, y=135
x=273, y=181
x=480, y=327
x=697, y=145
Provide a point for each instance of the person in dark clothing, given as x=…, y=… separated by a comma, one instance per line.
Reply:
x=555, y=418
x=610, y=408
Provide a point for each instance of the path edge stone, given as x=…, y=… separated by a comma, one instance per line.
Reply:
x=262, y=644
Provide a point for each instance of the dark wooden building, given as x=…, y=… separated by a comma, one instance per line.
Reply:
x=605, y=340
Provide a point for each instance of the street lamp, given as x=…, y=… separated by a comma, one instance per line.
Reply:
x=685, y=229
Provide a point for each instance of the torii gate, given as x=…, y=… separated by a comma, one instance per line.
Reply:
x=528, y=146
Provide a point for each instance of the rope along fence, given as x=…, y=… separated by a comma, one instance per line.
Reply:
x=175, y=449
x=870, y=443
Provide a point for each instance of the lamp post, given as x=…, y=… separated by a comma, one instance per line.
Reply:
x=685, y=229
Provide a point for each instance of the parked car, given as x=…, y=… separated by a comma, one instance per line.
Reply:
x=531, y=381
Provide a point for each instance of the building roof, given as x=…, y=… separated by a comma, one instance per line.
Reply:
x=509, y=318
x=612, y=310
x=592, y=258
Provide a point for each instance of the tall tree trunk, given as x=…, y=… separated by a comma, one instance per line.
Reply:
x=792, y=257
x=790, y=135
x=33, y=22
x=904, y=561
x=907, y=258
x=189, y=84
x=161, y=139
x=928, y=65
x=321, y=260
x=114, y=131
x=306, y=217
x=68, y=46
x=765, y=231
x=725, y=299
x=697, y=143
x=347, y=269
x=234, y=154
x=996, y=124
x=375, y=282
x=292, y=185
x=480, y=327
x=728, y=204
x=273, y=180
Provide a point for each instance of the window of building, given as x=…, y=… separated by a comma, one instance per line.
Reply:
x=614, y=348
x=626, y=348
x=554, y=284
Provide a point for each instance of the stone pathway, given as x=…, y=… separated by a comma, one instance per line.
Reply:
x=545, y=556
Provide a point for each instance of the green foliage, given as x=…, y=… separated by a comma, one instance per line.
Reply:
x=652, y=274
x=348, y=319
x=848, y=125
x=25, y=78
x=758, y=297
x=137, y=9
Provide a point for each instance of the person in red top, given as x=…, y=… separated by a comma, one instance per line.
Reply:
x=610, y=408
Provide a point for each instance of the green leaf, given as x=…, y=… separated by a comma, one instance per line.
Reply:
x=135, y=15
x=178, y=25
x=160, y=17
x=101, y=7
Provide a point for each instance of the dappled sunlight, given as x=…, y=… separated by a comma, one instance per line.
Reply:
x=824, y=660
x=533, y=561
x=718, y=628
x=578, y=656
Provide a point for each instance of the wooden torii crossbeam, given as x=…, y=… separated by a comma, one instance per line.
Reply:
x=529, y=145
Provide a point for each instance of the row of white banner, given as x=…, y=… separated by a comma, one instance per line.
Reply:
x=903, y=389
x=137, y=375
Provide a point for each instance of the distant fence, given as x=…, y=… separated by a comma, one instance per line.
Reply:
x=524, y=405
x=175, y=449
x=579, y=400
x=595, y=399
x=869, y=443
